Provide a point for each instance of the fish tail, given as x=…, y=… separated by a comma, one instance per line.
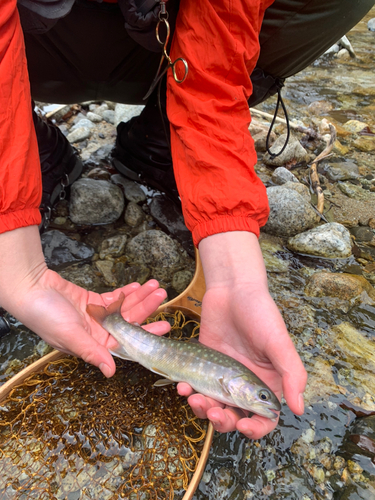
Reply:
x=99, y=313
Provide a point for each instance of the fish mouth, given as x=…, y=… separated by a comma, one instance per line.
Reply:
x=265, y=412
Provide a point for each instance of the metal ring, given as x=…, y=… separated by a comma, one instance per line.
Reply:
x=165, y=43
x=180, y=80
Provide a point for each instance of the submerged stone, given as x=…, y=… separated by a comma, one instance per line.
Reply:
x=155, y=248
x=60, y=250
x=340, y=285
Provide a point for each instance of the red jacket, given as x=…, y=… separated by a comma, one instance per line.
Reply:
x=213, y=153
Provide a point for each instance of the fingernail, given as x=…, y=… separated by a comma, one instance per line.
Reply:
x=301, y=403
x=105, y=369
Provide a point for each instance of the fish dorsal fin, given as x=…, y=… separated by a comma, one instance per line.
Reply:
x=99, y=313
x=162, y=382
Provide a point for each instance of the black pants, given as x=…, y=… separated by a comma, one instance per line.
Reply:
x=88, y=55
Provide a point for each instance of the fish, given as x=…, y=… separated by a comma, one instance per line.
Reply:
x=207, y=371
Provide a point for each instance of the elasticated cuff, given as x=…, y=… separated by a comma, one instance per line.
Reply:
x=20, y=218
x=224, y=225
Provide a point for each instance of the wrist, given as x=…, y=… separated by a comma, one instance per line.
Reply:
x=22, y=265
x=233, y=258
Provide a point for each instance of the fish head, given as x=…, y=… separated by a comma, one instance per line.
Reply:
x=253, y=396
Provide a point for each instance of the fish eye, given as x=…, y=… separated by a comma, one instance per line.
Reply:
x=264, y=395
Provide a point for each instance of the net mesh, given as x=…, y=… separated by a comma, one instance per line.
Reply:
x=67, y=432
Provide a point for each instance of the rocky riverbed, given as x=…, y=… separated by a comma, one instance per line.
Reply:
x=321, y=270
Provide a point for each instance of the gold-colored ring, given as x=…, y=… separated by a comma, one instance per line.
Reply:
x=180, y=80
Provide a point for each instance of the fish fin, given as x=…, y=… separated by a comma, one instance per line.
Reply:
x=223, y=386
x=193, y=341
x=99, y=313
x=162, y=382
x=159, y=372
x=121, y=353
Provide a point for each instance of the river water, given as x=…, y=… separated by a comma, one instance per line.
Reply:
x=313, y=456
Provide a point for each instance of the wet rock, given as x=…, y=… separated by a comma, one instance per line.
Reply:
x=170, y=219
x=362, y=233
x=340, y=149
x=60, y=250
x=83, y=276
x=79, y=134
x=356, y=192
x=271, y=246
x=154, y=248
x=99, y=110
x=293, y=152
x=290, y=211
x=320, y=107
x=282, y=175
x=132, y=190
x=371, y=24
x=125, y=275
x=106, y=267
x=95, y=202
x=260, y=140
x=365, y=144
x=343, y=54
x=331, y=240
x=134, y=215
x=342, y=171
x=99, y=174
x=340, y=285
x=320, y=383
x=114, y=246
x=94, y=117
x=89, y=150
x=181, y=280
x=354, y=126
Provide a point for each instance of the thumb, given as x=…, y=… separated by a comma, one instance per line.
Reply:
x=294, y=383
x=86, y=347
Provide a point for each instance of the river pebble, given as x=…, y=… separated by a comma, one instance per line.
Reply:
x=356, y=192
x=95, y=202
x=155, y=248
x=181, y=279
x=134, y=214
x=114, y=246
x=331, y=240
x=342, y=171
x=371, y=24
x=132, y=190
x=60, y=250
x=282, y=175
x=293, y=153
x=79, y=134
x=94, y=117
x=290, y=211
x=340, y=285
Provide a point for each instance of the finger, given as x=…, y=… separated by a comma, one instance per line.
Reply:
x=256, y=427
x=158, y=328
x=110, y=297
x=223, y=420
x=293, y=387
x=202, y=404
x=184, y=389
x=147, y=306
x=139, y=295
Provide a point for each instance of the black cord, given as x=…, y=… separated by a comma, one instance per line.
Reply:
x=279, y=101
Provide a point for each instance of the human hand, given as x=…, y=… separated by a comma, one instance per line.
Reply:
x=240, y=318
x=55, y=309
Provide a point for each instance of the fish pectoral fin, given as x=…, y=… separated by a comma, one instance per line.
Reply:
x=162, y=382
x=223, y=386
x=159, y=372
x=121, y=353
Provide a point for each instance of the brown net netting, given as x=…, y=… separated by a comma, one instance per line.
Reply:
x=68, y=433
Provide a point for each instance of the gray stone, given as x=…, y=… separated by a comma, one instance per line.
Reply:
x=105, y=267
x=59, y=250
x=331, y=240
x=293, y=152
x=83, y=276
x=155, y=248
x=94, y=117
x=290, y=211
x=125, y=275
x=99, y=110
x=79, y=134
x=371, y=24
x=170, y=219
x=83, y=122
x=282, y=175
x=181, y=280
x=95, y=202
x=342, y=171
x=109, y=116
x=132, y=190
x=356, y=192
x=134, y=215
x=124, y=112
x=113, y=246
x=362, y=233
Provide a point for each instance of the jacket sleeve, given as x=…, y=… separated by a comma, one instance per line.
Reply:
x=212, y=150
x=20, y=176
